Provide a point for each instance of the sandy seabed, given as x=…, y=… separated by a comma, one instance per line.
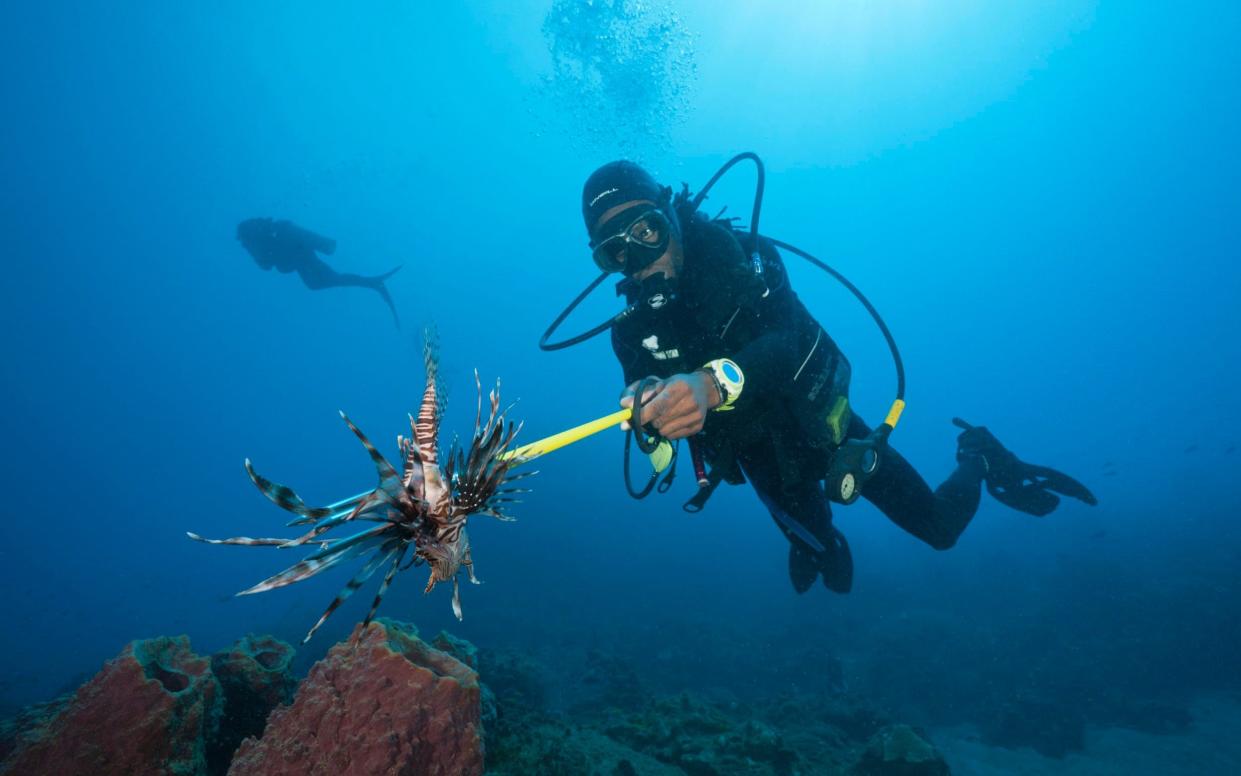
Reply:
x=1211, y=746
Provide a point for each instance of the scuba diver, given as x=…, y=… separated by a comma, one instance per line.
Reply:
x=717, y=349
x=289, y=248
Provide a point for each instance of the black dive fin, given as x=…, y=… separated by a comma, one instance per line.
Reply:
x=1028, y=497
x=795, y=527
x=1060, y=483
x=838, y=566
x=1022, y=486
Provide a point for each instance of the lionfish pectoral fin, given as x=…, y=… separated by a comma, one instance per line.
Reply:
x=351, y=587
x=241, y=541
x=339, y=552
x=388, y=477
x=456, y=599
x=387, y=582
x=284, y=497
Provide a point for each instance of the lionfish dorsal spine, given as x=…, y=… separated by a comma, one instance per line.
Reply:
x=427, y=424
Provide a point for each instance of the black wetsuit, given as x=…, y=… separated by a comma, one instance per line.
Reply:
x=776, y=435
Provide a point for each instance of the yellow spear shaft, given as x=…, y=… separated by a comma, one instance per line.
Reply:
x=527, y=453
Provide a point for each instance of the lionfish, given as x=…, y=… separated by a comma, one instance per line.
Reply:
x=421, y=510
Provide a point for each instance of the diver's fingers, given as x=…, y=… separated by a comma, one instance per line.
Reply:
x=675, y=409
x=654, y=386
x=655, y=410
x=650, y=397
x=682, y=427
x=684, y=418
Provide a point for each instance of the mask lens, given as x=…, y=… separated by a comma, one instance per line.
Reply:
x=647, y=230
x=609, y=255
x=647, y=234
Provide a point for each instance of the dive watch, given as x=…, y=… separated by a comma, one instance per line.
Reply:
x=729, y=379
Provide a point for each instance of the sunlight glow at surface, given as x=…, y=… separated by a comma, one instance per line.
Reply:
x=847, y=80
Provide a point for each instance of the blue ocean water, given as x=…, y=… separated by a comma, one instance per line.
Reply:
x=1040, y=197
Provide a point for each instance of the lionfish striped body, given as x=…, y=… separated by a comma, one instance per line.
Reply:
x=419, y=512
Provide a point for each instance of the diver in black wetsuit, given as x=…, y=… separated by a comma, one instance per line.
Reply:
x=747, y=374
x=287, y=247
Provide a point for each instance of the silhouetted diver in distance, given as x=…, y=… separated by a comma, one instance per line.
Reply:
x=289, y=248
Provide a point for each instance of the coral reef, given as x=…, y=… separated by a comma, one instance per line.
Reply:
x=256, y=677
x=382, y=702
x=158, y=692
x=459, y=648
x=29, y=723
x=684, y=734
x=899, y=751
x=386, y=702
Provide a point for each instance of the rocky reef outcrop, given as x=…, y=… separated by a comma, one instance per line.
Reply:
x=382, y=702
x=386, y=702
x=898, y=750
x=256, y=676
x=151, y=710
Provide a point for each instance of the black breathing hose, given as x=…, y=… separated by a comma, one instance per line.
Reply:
x=571, y=341
x=756, y=261
x=639, y=437
x=870, y=308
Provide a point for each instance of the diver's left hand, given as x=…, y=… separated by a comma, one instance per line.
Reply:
x=681, y=406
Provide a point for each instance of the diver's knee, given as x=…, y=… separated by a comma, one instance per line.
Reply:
x=941, y=542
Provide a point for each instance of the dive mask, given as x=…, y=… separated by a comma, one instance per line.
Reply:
x=632, y=240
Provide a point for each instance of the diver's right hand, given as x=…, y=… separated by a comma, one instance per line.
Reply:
x=626, y=398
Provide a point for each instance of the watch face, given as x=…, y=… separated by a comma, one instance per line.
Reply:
x=730, y=371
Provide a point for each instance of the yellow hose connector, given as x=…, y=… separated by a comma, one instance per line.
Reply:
x=894, y=414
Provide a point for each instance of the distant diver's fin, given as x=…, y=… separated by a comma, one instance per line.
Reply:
x=1022, y=486
x=377, y=283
